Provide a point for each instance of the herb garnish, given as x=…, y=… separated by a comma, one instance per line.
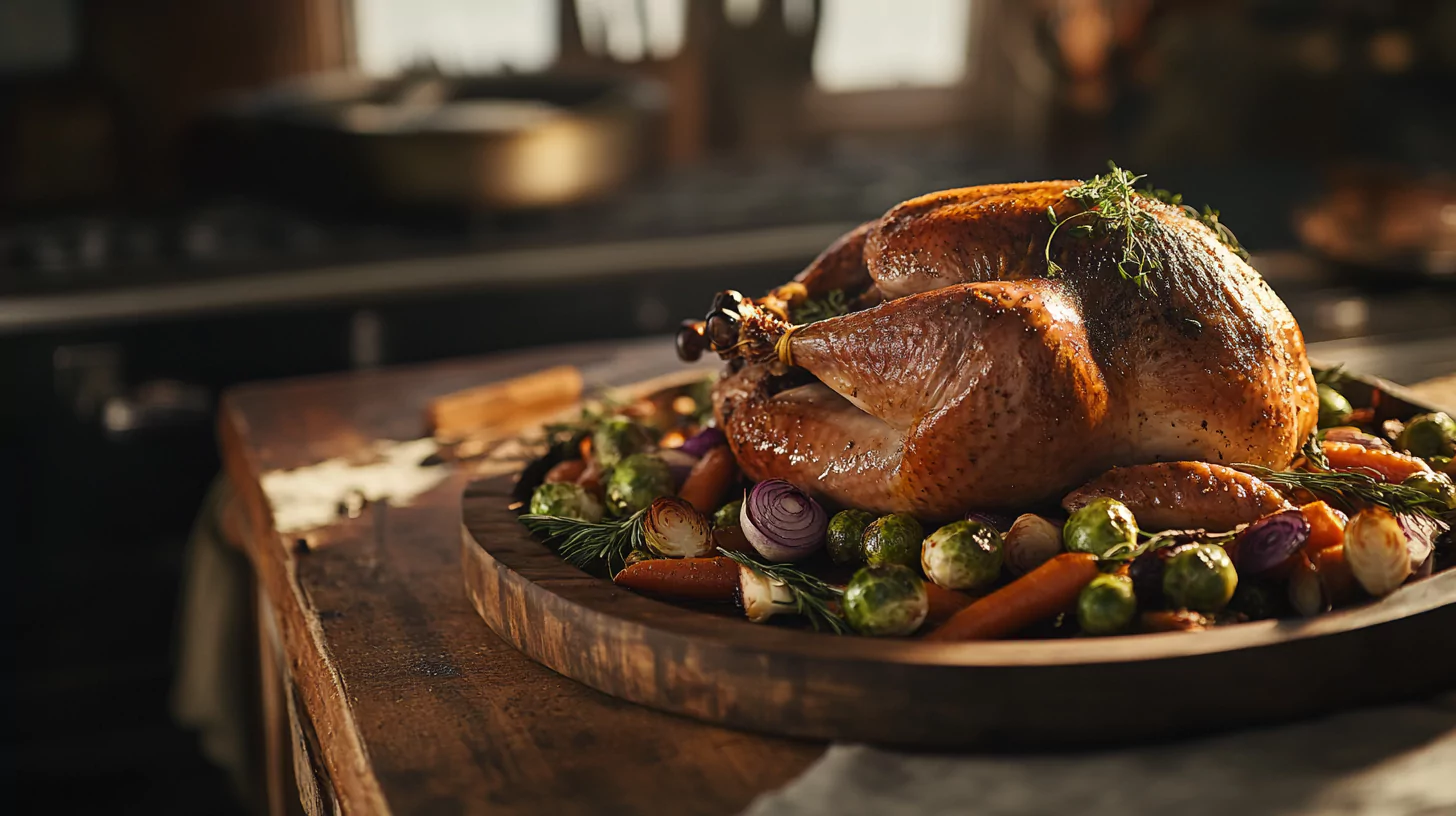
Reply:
x=1168, y=538
x=833, y=304
x=585, y=543
x=1350, y=490
x=813, y=599
x=1109, y=201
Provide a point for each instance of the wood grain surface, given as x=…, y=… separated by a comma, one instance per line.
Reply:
x=417, y=706
x=1014, y=694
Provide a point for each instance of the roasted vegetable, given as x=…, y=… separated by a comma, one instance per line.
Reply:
x=888, y=600
x=708, y=481
x=1377, y=550
x=672, y=528
x=1032, y=541
x=845, y=537
x=1436, y=485
x=1385, y=465
x=728, y=515
x=568, y=470
x=782, y=522
x=616, y=438
x=1326, y=526
x=1046, y=591
x=1429, y=435
x=1267, y=545
x=703, y=441
x=1259, y=600
x=1098, y=526
x=893, y=539
x=962, y=555
x=1106, y=605
x=566, y=500
x=1334, y=409
x=636, y=481
x=703, y=579
x=1200, y=577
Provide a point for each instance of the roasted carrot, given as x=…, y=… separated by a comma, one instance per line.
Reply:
x=568, y=471
x=1173, y=620
x=591, y=478
x=709, y=480
x=703, y=579
x=1337, y=580
x=1382, y=464
x=1045, y=591
x=1326, y=526
x=945, y=603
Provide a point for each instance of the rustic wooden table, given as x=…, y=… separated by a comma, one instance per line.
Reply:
x=384, y=691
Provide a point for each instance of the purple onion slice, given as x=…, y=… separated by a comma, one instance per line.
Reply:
x=782, y=522
x=1271, y=541
x=703, y=441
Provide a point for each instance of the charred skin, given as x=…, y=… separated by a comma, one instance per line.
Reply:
x=983, y=384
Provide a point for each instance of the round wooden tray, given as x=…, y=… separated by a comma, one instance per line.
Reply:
x=1036, y=694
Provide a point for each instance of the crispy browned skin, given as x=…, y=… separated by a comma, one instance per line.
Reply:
x=983, y=384
x=1183, y=495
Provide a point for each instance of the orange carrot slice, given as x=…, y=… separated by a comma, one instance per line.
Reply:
x=1382, y=464
x=1326, y=526
x=709, y=480
x=1045, y=591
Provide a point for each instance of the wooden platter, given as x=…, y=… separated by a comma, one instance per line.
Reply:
x=1030, y=694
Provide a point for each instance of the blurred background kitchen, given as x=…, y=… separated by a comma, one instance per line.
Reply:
x=198, y=194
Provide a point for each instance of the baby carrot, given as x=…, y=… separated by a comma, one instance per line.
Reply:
x=703, y=579
x=709, y=480
x=1045, y=591
x=1326, y=526
x=567, y=471
x=945, y=603
x=1382, y=464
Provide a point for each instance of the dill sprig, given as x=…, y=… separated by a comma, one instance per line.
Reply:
x=1109, y=201
x=813, y=599
x=833, y=304
x=1350, y=491
x=586, y=543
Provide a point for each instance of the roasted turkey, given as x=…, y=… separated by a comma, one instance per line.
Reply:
x=969, y=378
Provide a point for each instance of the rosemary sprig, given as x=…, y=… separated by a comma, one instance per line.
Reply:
x=813, y=599
x=833, y=304
x=1350, y=491
x=1108, y=200
x=584, y=543
x=1168, y=538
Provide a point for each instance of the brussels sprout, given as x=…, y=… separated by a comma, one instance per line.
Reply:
x=566, y=500
x=893, y=539
x=1106, y=605
x=962, y=555
x=1429, y=435
x=885, y=601
x=638, y=556
x=636, y=481
x=1334, y=409
x=727, y=515
x=616, y=438
x=1443, y=464
x=1099, y=526
x=845, y=537
x=1435, y=485
x=1201, y=578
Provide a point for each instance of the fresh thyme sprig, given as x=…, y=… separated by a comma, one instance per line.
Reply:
x=1208, y=217
x=1109, y=209
x=1109, y=201
x=1168, y=538
x=1350, y=491
x=833, y=304
x=585, y=543
x=813, y=599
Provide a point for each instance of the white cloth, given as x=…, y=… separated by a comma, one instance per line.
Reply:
x=1393, y=761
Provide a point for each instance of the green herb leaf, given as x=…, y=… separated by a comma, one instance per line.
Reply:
x=813, y=599
x=833, y=304
x=1351, y=491
x=584, y=544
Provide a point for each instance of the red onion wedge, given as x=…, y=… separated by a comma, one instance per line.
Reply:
x=1271, y=542
x=782, y=522
x=671, y=527
x=703, y=441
